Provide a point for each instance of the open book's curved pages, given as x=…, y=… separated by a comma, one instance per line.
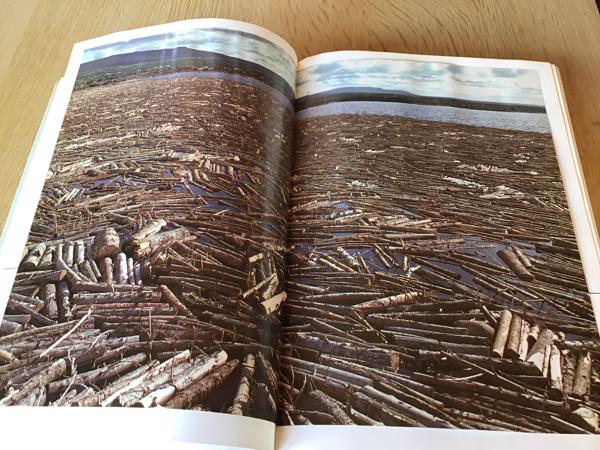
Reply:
x=435, y=278
x=153, y=271
x=231, y=240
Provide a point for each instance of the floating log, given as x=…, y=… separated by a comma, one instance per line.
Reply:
x=32, y=259
x=383, y=303
x=145, y=246
x=555, y=372
x=501, y=334
x=243, y=394
x=539, y=353
x=583, y=376
x=513, y=340
x=106, y=244
x=194, y=393
x=513, y=262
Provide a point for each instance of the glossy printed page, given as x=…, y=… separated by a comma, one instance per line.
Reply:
x=152, y=274
x=434, y=278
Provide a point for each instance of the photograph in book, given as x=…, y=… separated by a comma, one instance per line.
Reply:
x=153, y=269
x=433, y=277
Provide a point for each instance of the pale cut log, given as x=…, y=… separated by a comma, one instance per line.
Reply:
x=501, y=334
x=145, y=246
x=382, y=304
x=106, y=244
x=25, y=308
x=190, y=396
x=375, y=356
x=21, y=319
x=513, y=340
x=200, y=368
x=243, y=395
x=163, y=367
x=106, y=269
x=40, y=278
x=120, y=268
x=269, y=373
x=555, y=372
x=157, y=397
x=480, y=328
x=94, y=398
x=149, y=229
x=94, y=266
x=569, y=364
x=86, y=269
x=324, y=402
x=137, y=274
x=48, y=295
x=55, y=371
x=586, y=418
x=586, y=345
x=71, y=276
x=513, y=262
x=37, y=397
x=533, y=335
x=68, y=251
x=79, y=253
x=8, y=327
x=523, y=343
x=172, y=299
x=522, y=256
x=33, y=302
x=326, y=371
x=272, y=304
x=130, y=276
x=47, y=260
x=101, y=374
x=32, y=259
x=583, y=376
x=537, y=354
x=63, y=300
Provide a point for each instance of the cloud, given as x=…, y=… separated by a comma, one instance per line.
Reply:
x=232, y=43
x=453, y=68
x=431, y=79
x=505, y=73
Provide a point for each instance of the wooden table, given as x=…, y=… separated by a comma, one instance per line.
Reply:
x=37, y=36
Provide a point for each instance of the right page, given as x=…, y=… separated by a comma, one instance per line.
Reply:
x=434, y=277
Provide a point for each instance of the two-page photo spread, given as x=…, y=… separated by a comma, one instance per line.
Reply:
x=212, y=234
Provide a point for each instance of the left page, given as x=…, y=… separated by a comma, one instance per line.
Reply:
x=152, y=272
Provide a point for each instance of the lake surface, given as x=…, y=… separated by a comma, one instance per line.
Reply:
x=536, y=122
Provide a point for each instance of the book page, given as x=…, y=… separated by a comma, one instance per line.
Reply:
x=435, y=277
x=152, y=272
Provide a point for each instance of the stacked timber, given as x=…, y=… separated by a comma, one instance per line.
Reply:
x=418, y=298
x=153, y=270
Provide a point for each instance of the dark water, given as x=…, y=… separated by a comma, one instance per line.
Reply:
x=536, y=122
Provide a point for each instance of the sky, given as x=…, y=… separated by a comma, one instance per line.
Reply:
x=227, y=42
x=431, y=79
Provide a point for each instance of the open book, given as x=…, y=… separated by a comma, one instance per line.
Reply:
x=226, y=247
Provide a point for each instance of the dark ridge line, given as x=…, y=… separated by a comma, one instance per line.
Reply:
x=310, y=101
x=220, y=62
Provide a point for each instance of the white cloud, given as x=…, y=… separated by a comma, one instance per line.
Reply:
x=226, y=42
x=430, y=79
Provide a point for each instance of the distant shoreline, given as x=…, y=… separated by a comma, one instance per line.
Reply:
x=151, y=63
x=506, y=120
x=327, y=97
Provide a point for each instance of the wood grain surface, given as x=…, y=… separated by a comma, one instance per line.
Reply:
x=37, y=35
